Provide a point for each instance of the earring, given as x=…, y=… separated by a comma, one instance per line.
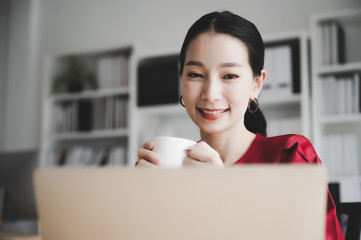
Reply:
x=181, y=101
x=253, y=105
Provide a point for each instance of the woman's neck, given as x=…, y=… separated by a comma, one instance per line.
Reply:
x=231, y=145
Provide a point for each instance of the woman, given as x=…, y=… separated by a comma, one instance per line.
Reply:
x=221, y=64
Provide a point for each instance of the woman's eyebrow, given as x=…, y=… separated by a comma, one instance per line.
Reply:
x=222, y=65
x=194, y=63
x=230, y=64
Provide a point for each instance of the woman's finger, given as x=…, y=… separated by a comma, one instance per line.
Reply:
x=202, y=152
x=148, y=155
x=146, y=152
x=145, y=164
x=148, y=145
x=189, y=162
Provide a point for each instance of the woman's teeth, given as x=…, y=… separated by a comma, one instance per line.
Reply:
x=213, y=112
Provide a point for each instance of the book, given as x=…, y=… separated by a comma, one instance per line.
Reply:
x=158, y=80
x=355, y=94
x=109, y=113
x=112, y=71
x=85, y=115
x=340, y=94
x=98, y=120
x=268, y=85
x=333, y=43
x=282, y=63
x=284, y=69
x=340, y=154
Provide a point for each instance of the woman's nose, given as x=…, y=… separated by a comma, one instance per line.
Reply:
x=212, y=90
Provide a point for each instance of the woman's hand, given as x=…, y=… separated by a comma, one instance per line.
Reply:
x=201, y=154
x=146, y=156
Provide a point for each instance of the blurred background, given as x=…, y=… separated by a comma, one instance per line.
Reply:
x=32, y=31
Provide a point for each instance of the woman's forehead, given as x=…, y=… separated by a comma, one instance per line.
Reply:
x=217, y=46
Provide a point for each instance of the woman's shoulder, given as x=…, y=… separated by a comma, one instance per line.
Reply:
x=286, y=141
x=280, y=149
x=296, y=148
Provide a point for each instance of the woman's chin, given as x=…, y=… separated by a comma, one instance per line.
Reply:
x=211, y=129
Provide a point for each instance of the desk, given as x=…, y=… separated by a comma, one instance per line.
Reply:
x=23, y=238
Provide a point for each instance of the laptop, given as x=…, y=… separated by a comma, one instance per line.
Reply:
x=244, y=202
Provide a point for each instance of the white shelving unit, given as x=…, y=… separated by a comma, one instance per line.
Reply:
x=290, y=109
x=114, y=112
x=334, y=128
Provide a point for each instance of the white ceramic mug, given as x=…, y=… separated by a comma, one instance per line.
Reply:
x=171, y=150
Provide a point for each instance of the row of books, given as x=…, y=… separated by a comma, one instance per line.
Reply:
x=90, y=114
x=332, y=43
x=282, y=63
x=284, y=126
x=78, y=156
x=112, y=71
x=110, y=113
x=340, y=94
x=340, y=154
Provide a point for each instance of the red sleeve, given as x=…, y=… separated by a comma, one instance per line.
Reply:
x=298, y=149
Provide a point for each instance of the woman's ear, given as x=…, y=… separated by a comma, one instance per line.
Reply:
x=258, y=84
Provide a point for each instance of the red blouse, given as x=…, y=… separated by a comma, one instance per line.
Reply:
x=291, y=149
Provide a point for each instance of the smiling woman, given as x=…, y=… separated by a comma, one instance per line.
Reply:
x=220, y=84
x=240, y=29
x=221, y=64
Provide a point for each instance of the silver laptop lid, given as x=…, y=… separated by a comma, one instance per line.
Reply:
x=246, y=202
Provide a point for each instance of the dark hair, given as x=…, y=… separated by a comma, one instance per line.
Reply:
x=236, y=26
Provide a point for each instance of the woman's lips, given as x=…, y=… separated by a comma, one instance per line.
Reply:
x=212, y=114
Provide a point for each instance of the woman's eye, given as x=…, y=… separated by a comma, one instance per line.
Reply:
x=230, y=77
x=194, y=75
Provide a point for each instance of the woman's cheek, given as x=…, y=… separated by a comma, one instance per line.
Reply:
x=189, y=89
x=186, y=84
x=239, y=98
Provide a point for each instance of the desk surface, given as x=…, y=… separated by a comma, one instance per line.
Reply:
x=23, y=238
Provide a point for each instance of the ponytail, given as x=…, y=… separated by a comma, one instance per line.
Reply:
x=256, y=122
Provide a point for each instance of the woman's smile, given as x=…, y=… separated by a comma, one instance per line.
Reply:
x=212, y=114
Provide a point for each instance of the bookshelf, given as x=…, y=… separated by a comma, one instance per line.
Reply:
x=88, y=105
x=336, y=71
x=287, y=108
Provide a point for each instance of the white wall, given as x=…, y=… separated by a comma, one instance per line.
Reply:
x=22, y=105
x=83, y=24
x=4, y=18
x=16, y=91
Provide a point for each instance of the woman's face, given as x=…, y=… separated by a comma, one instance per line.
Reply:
x=217, y=82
